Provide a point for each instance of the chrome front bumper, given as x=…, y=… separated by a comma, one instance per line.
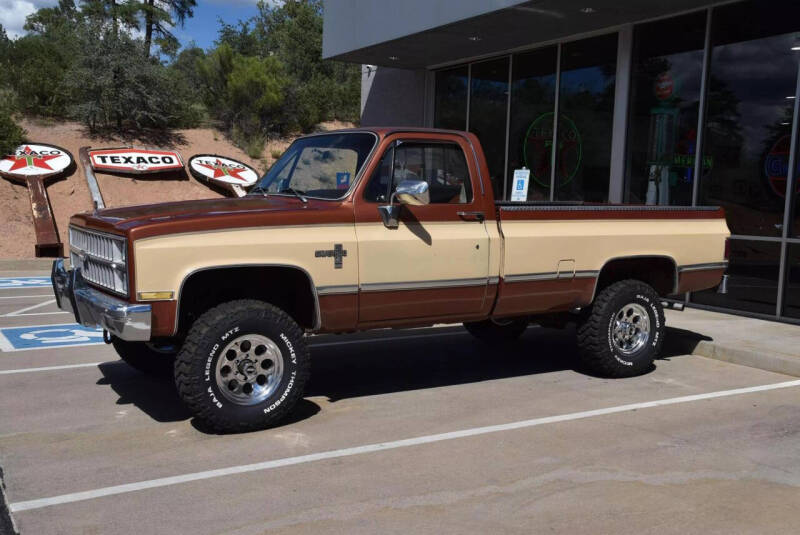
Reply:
x=94, y=308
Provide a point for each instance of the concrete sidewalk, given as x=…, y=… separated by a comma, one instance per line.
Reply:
x=766, y=345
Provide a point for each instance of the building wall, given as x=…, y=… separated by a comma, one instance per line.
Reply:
x=394, y=97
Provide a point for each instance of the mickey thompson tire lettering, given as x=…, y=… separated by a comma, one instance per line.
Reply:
x=598, y=352
x=196, y=363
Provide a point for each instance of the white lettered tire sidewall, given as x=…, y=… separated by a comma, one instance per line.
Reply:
x=653, y=307
x=196, y=364
x=597, y=351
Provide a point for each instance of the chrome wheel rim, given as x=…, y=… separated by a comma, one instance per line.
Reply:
x=630, y=328
x=249, y=369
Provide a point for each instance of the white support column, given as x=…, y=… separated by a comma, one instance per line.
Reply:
x=616, y=185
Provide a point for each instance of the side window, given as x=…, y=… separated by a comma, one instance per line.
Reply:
x=442, y=165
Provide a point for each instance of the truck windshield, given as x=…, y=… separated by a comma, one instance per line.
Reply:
x=322, y=166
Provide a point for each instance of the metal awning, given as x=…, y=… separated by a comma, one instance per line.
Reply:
x=351, y=33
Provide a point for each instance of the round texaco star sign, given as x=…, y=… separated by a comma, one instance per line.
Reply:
x=222, y=171
x=35, y=160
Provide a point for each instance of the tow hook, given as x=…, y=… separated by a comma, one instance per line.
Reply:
x=107, y=336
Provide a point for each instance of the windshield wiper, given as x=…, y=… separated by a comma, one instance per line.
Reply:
x=259, y=189
x=297, y=193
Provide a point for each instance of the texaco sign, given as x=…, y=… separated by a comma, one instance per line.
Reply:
x=225, y=172
x=35, y=160
x=135, y=160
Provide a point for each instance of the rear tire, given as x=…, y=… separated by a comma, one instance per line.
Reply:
x=150, y=359
x=243, y=366
x=624, y=331
x=494, y=331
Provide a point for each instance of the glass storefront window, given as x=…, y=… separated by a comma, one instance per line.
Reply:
x=533, y=97
x=451, y=99
x=488, y=103
x=791, y=299
x=586, y=109
x=749, y=122
x=753, y=278
x=665, y=100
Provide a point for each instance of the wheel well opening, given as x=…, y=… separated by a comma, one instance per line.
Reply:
x=287, y=288
x=657, y=271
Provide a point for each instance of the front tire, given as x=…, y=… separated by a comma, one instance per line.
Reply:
x=624, y=331
x=243, y=366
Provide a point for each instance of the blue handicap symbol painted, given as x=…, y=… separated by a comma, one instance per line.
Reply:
x=42, y=336
x=25, y=282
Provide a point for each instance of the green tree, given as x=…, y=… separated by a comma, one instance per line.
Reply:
x=115, y=91
x=318, y=90
x=245, y=92
x=159, y=16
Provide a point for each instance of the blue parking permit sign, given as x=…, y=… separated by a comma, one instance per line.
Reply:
x=24, y=282
x=48, y=336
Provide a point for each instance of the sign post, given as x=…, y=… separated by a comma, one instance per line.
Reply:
x=32, y=165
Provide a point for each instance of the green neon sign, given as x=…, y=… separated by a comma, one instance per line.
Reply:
x=540, y=133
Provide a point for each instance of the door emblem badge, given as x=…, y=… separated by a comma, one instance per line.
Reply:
x=338, y=253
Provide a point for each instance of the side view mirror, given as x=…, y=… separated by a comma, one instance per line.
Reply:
x=412, y=192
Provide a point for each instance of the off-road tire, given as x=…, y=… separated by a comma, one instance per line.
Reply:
x=145, y=358
x=598, y=352
x=497, y=331
x=195, y=365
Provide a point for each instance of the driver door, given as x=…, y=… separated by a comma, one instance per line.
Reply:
x=436, y=263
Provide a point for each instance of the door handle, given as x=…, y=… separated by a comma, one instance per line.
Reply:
x=471, y=216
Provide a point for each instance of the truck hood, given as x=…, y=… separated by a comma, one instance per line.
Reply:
x=213, y=214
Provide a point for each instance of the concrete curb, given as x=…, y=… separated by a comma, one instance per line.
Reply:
x=694, y=344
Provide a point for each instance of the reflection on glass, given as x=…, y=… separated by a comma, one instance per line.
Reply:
x=530, y=143
x=791, y=298
x=794, y=221
x=488, y=101
x=753, y=278
x=749, y=122
x=451, y=99
x=667, y=71
x=586, y=109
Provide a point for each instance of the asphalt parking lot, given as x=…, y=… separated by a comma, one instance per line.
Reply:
x=400, y=432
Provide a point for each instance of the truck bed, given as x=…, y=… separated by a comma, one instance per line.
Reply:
x=554, y=253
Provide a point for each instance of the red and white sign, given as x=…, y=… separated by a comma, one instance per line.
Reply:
x=35, y=160
x=230, y=174
x=664, y=86
x=135, y=160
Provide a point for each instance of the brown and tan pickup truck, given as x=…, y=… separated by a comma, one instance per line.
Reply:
x=364, y=229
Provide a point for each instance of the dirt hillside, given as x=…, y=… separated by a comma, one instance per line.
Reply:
x=71, y=195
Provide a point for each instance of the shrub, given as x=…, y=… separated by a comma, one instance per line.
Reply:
x=117, y=87
x=11, y=134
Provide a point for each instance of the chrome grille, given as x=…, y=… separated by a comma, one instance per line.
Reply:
x=101, y=257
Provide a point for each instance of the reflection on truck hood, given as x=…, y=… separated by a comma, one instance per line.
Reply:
x=211, y=214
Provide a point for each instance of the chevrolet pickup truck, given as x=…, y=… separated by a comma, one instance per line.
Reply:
x=363, y=229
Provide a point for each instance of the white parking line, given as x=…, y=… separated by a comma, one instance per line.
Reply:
x=381, y=446
x=24, y=296
x=50, y=368
x=26, y=309
x=37, y=314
